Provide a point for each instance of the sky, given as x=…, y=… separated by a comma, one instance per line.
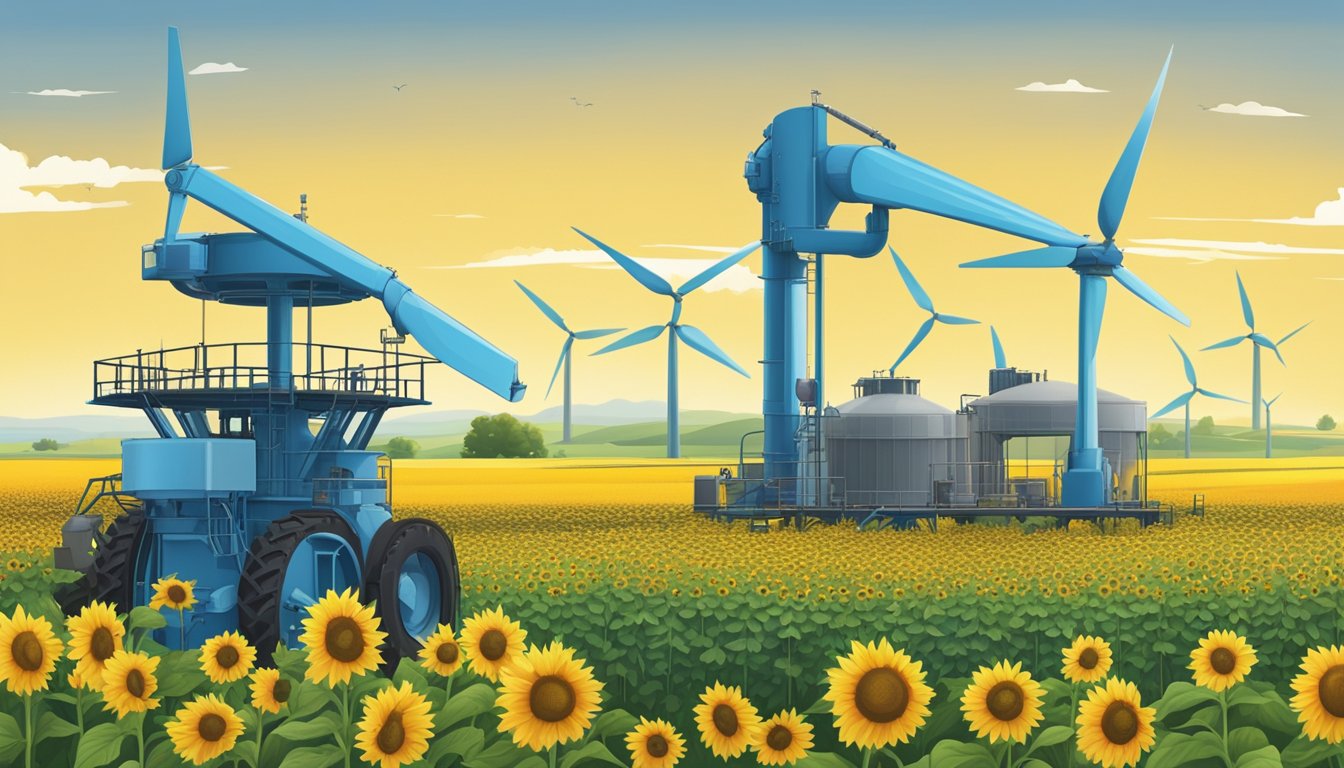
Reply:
x=471, y=175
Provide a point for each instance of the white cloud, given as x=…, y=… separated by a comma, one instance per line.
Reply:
x=1233, y=245
x=1199, y=256
x=1068, y=86
x=736, y=278
x=66, y=92
x=211, y=68
x=459, y=215
x=16, y=176
x=706, y=248
x=1328, y=214
x=1253, y=109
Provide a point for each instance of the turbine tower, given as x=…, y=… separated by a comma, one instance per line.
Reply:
x=1257, y=340
x=1184, y=400
x=1086, y=480
x=921, y=298
x=1269, y=426
x=694, y=337
x=564, y=352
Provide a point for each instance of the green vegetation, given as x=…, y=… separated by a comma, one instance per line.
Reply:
x=1325, y=423
x=46, y=444
x=1203, y=427
x=503, y=437
x=402, y=448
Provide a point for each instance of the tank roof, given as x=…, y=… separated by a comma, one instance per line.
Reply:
x=888, y=405
x=1046, y=392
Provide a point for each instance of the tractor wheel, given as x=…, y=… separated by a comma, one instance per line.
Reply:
x=411, y=575
x=111, y=579
x=291, y=565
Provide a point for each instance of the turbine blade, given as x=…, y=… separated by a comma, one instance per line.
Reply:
x=630, y=340
x=1263, y=340
x=1116, y=195
x=641, y=273
x=1052, y=256
x=1173, y=405
x=697, y=340
x=1246, y=313
x=177, y=122
x=1141, y=289
x=717, y=269
x=1294, y=333
x=1000, y=360
x=564, y=353
x=917, y=291
x=919, y=336
x=177, y=205
x=544, y=307
x=954, y=320
x=1185, y=360
x=596, y=333
x=1207, y=393
x=1270, y=404
x=1232, y=342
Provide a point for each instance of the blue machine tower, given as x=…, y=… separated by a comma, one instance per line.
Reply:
x=260, y=485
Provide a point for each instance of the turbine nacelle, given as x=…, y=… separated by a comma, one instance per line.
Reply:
x=1104, y=255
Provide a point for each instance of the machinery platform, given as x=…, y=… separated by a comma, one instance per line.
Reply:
x=803, y=517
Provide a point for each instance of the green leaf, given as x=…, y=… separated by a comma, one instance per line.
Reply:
x=957, y=754
x=1055, y=734
x=501, y=754
x=1264, y=757
x=11, y=739
x=245, y=749
x=1177, y=750
x=1310, y=752
x=823, y=760
x=144, y=618
x=462, y=742
x=1245, y=739
x=593, y=751
x=615, y=722
x=469, y=703
x=99, y=746
x=324, y=756
x=1181, y=697
x=302, y=730
x=50, y=726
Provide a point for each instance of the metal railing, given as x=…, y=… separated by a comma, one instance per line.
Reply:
x=243, y=365
x=328, y=490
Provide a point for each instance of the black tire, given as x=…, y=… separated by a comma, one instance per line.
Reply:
x=264, y=574
x=111, y=579
x=394, y=544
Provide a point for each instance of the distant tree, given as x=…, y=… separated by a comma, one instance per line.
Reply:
x=402, y=448
x=503, y=437
x=1203, y=427
x=1325, y=423
x=1158, y=436
x=47, y=444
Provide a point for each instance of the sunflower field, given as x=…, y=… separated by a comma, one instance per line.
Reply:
x=1218, y=640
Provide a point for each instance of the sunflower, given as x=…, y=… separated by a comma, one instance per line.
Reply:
x=783, y=739
x=172, y=592
x=727, y=720
x=1222, y=660
x=491, y=641
x=270, y=691
x=1113, y=728
x=1087, y=660
x=655, y=744
x=441, y=654
x=1319, y=701
x=396, y=727
x=342, y=638
x=28, y=652
x=204, y=729
x=878, y=695
x=227, y=657
x=129, y=683
x=1002, y=702
x=95, y=636
x=548, y=697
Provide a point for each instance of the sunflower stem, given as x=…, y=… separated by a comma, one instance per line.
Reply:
x=552, y=757
x=181, y=629
x=140, y=737
x=1008, y=756
x=867, y=757
x=28, y=730
x=261, y=728
x=79, y=708
x=1222, y=702
x=345, y=718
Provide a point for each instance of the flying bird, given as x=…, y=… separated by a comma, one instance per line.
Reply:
x=399, y=87
x=578, y=103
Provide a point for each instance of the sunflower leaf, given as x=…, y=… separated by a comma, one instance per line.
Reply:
x=593, y=751
x=99, y=746
x=1264, y=757
x=469, y=703
x=11, y=740
x=613, y=722
x=823, y=760
x=1180, y=749
x=51, y=726
x=144, y=618
x=459, y=742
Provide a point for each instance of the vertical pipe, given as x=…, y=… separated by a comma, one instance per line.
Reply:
x=565, y=438
x=279, y=338
x=818, y=337
x=1255, y=385
x=308, y=363
x=673, y=416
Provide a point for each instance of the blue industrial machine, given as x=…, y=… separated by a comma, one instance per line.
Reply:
x=260, y=485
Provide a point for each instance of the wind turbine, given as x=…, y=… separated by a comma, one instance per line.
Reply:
x=694, y=337
x=921, y=298
x=1000, y=359
x=1269, y=426
x=1257, y=340
x=1086, y=481
x=564, y=351
x=1184, y=400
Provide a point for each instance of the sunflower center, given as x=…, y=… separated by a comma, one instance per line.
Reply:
x=101, y=644
x=1119, y=723
x=212, y=727
x=226, y=657
x=1088, y=658
x=1005, y=700
x=881, y=695
x=392, y=735
x=1223, y=661
x=281, y=691
x=344, y=641
x=177, y=594
x=135, y=683
x=725, y=719
x=552, y=698
x=27, y=652
x=779, y=738
x=656, y=746
x=446, y=653
x=493, y=644
x=1331, y=690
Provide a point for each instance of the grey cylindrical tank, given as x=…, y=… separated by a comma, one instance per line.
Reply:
x=891, y=449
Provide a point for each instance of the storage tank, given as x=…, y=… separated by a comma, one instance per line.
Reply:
x=894, y=450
